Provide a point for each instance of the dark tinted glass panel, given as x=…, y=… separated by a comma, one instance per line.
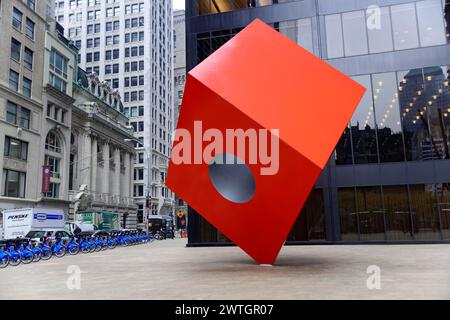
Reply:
x=219, y=38
x=208, y=232
x=348, y=214
x=398, y=219
x=310, y=224
x=203, y=46
x=443, y=196
x=370, y=213
x=424, y=212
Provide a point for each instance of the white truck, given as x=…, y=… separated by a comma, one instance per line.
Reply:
x=18, y=222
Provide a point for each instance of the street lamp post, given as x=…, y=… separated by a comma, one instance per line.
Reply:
x=149, y=179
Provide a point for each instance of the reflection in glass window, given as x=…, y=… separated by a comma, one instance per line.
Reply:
x=299, y=31
x=390, y=143
x=404, y=26
x=218, y=6
x=424, y=212
x=363, y=126
x=355, y=38
x=380, y=39
x=437, y=95
x=370, y=213
x=413, y=111
x=334, y=36
x=424, y=101
x=310, y=224
x=398, y=219
x=431, y=24
x=348, y=214
x=443, y=195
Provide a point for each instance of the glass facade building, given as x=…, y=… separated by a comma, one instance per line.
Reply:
x=388, y=179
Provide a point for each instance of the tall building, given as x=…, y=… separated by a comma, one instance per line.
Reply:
x=30, y=81
x=128, y=43
x=179, y=71
x=63, y=134
x=179, y=58
x=389, y=177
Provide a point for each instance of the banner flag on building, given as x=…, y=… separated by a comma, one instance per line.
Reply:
x=46, y=170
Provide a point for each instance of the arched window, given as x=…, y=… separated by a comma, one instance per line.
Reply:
x=53, y=145
x=52, y=142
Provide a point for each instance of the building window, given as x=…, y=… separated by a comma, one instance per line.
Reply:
x=58, y=71
x=54, y=163
x=15, y=114
x=28, y=58
x=31, y=4
x=25, y=118
x=17, y=19
x=52, y=143
x=15, y=49
x=404, y=25
x=29, y=29
x=54, y=191
x=15, y=148
x=203, y=7
x=380, y=39
x=11, y=113
x=26, y=86
x=430, y=23
x=354, y=28
x=14, y=183
x=13, y=80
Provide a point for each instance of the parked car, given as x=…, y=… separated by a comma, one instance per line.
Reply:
x=50, y=234
x=93, y=233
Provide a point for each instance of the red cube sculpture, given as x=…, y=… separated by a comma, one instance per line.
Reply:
x=260, y=80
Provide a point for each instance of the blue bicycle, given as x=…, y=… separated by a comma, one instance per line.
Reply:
x=46, y=250
x=37, y=252
x=73, y=247
x=26, y=255
x=58, y=248
x=4, y=258
x=111, y=242
x=14, y=255
x=85, y=245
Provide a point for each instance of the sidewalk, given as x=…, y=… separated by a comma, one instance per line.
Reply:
x=168, y=270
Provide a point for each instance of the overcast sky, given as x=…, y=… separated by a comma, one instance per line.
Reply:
x=178, y=4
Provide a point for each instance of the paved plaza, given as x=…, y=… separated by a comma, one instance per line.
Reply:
x=168, y=270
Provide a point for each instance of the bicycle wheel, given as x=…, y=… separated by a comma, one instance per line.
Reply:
x=74, y=250
x=4, y=261
x=112, y=245
x=37, y=255
x=27, y=257
x=46, y=254
x=61, y=252
x=14, y=260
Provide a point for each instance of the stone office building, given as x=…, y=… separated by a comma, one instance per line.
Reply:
x=32, y=80
x=102, y=152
